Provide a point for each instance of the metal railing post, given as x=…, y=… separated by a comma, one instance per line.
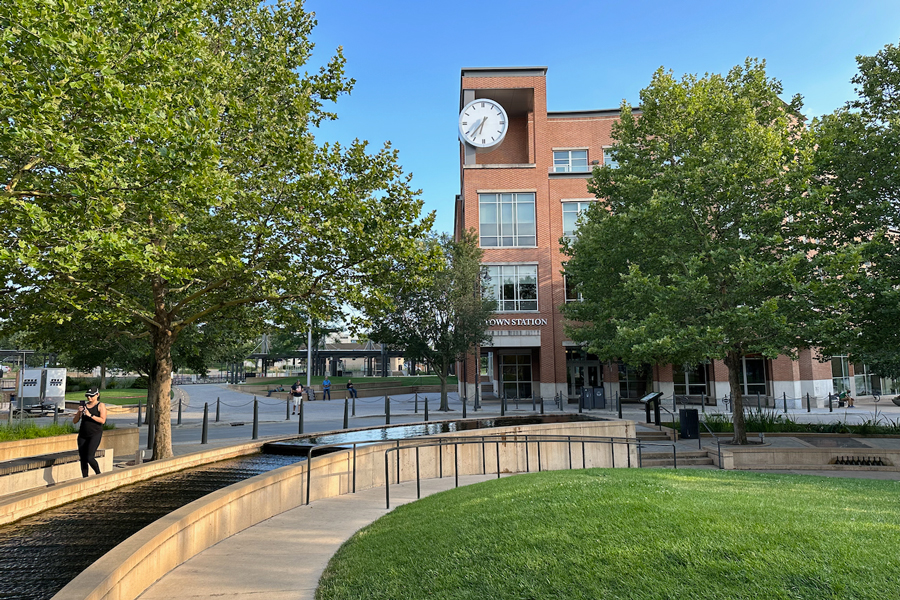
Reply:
x=353, y=406
x=203, y=433
x=255, y=419
x=300, y=417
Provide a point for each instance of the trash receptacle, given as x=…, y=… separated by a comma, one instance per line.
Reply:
x=599, y=397
x=690, y=423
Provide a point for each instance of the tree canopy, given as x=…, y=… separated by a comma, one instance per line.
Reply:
x=443, y=317
x=158, y=165
x=858, y=181
x=695, y=249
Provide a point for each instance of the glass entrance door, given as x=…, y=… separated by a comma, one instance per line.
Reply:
x=580, y=374
x=515, y=369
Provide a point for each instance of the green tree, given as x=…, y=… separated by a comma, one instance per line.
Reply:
x=158, y=165
x=858, y=181
x=439, y=319
x=688, y=255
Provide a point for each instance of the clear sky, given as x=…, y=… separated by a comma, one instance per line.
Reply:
x=406, y=56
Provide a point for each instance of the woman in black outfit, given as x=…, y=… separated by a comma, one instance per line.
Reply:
x=93, y=415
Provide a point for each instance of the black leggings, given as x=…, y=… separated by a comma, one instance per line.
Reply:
x=87, y=446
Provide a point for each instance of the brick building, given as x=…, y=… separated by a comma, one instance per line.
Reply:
x=523, y=174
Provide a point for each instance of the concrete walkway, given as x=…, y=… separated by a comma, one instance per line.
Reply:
x=283, y=558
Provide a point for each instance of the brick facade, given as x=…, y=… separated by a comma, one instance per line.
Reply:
x=523, y=162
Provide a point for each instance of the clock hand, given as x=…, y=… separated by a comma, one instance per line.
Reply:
x=475, y=127
x=480, y=127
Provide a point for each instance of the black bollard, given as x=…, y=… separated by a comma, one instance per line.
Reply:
x=56, y=412
x=151, y=431
x=346, y=413
x=426, y=408
x=416, y=404
x=503, y=405
x=353, y=407
x=542, y=405
x=255, y=419
x=830, y=405
x=387, y=410
x=179, y=412
x=300, y=416
x=807, y=403
x=203, y=435
x=464, y=409
x=139, y=413
x=785, y=401
x=217, y=409
x=533, y=401
x=581, y=403
x=619, y=404
x=287, y=409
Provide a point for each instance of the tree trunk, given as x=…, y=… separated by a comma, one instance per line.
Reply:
x=442, y=375
x=103, y=376
x=162, y=351
x=733, y=362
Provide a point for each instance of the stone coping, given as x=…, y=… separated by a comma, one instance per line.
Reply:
x=132, y=566
x=122, y=440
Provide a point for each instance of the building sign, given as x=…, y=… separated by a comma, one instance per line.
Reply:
x=515, y=322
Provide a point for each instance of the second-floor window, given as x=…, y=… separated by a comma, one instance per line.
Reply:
x=570, y=161
x=608, y=159
x=513, y=286
x=506, y=220
x=570, y=212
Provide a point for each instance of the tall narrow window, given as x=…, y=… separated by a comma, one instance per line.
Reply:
x=507, y=220
x=840, y=374
x=570, y=161
x=513, y=286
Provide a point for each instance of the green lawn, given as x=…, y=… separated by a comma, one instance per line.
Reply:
x=124, y=396
x=338, y=382
x=631, y=534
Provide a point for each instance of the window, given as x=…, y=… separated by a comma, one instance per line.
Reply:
x=840, y=374
x=570, y=161
x=753, y=376
x=690, y=381
x=571, y=211
x=863, y=379
x=573, y=294
x=516, y=373
x=506, y=220
x=513, y=286
x=608, y=158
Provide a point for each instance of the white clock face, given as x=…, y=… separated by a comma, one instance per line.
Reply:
x=482, y=123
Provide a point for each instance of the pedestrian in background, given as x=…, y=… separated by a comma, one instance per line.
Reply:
x=326, y=389
x=297, y=395
x=351, y=390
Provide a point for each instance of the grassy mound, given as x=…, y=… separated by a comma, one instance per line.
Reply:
x=629, y=533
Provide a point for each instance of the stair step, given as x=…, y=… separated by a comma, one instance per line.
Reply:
x=682, y=462
x=680, y=454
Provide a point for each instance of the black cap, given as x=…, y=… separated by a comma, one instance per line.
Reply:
x=92, y=391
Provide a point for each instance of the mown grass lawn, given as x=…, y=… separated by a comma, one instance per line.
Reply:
x=631, y=534
x=114, y=396
x=341, y=382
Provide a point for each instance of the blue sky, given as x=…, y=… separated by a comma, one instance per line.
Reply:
x=406, y=58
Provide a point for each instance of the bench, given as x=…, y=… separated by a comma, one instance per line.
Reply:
x=44, y=470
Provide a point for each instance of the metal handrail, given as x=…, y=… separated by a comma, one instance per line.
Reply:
x=718, y=442
x=528, y=439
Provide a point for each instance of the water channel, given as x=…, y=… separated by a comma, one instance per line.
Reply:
x=40, y=554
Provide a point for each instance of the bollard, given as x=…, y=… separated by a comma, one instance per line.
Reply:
x=619, y=404
x=151, y=431
x=255, y=419
x=416, y=405
x=346, y=413
x=542, y=405
x=533, y=401
x=353, y=407
x=203, y=435
x=830, y=405
x=139, y=412
x=758, y=405
x=807, y=402
x=464, y=409
x=56, y=413
x=179, y=412
x=477, y=406
x=217, y=409
x=426, y=408
x=703, y=403
x=785, y=401
x=503, y=405
x=300, y=417
x=562, y=402
x=287, y=409
x=581, y=404
x=387, y=410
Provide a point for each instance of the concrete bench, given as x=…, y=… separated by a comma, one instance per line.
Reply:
x=45, y=470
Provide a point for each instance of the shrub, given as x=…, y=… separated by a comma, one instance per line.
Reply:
x=141, y=383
